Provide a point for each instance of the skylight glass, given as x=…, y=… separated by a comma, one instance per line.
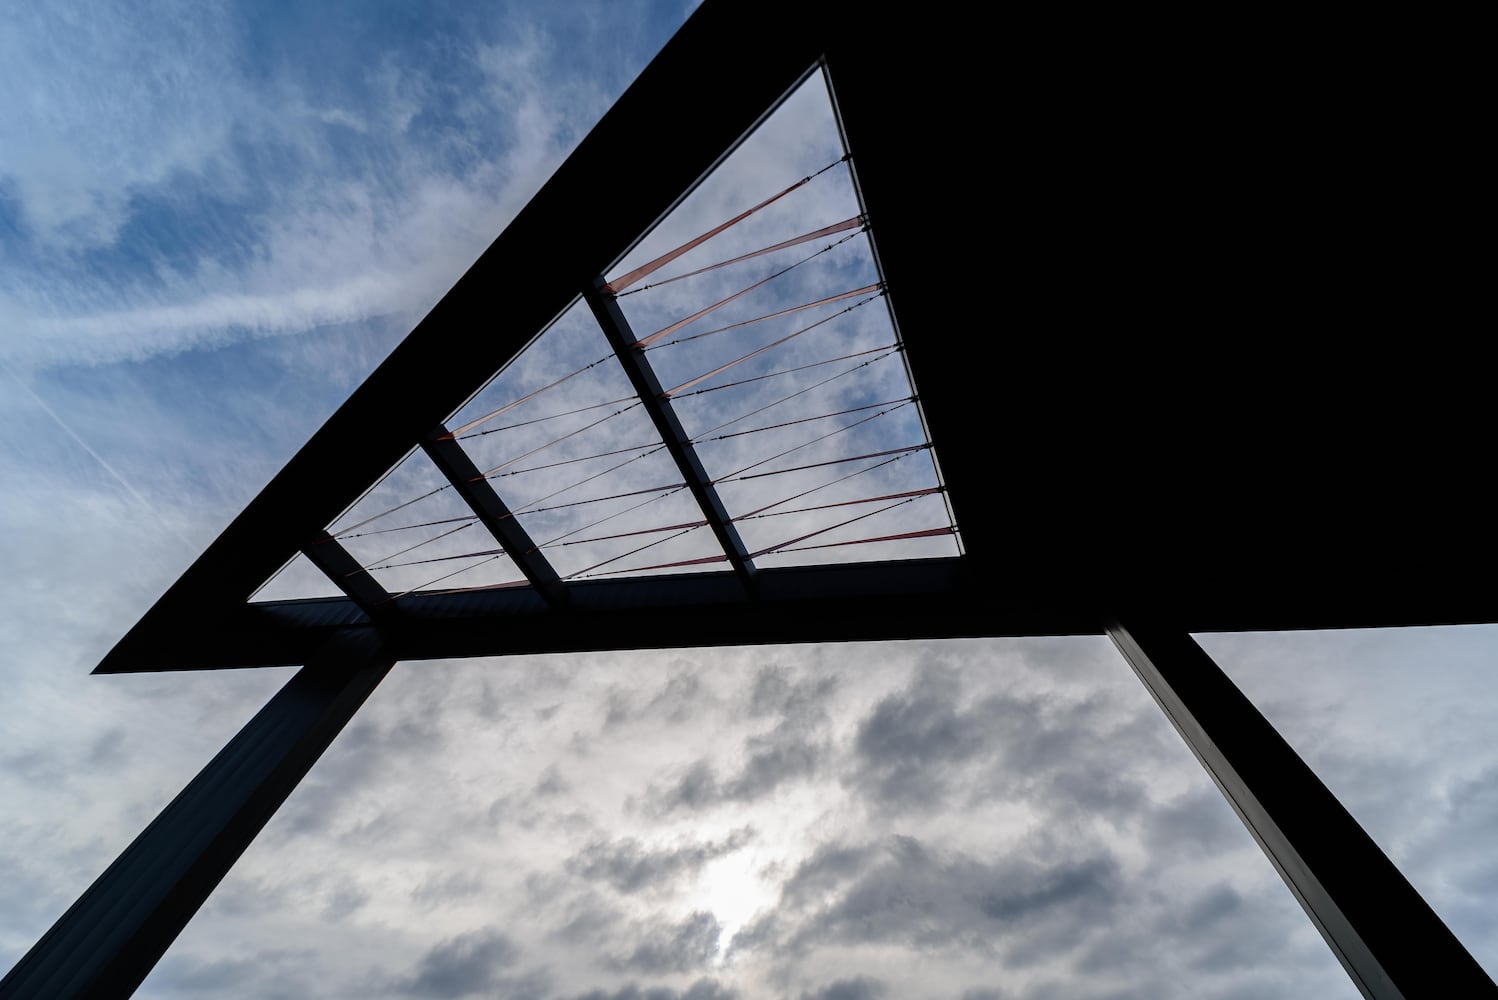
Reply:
x=296, y=580
x=758, y=307
x=774, y=341
x=413, y=532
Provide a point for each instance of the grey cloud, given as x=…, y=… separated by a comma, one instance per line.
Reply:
x=584, y=926
x=1216, y=939
x=583, y=919
x=438, y=889
x=702, y=989
x=681, y=696
x=551, y=782
x=681, y=947
x=541, y=805
x=1016, y=895
x=108, y=748
x=1198, y=822
x=908, y=742
x=927, y=898
x=697, y=788
x=762, y=933
x=795, y=748
x=829, y=867
x=273, y=974
x=775, y=691
x=860, y=988
x=354, y=763
x=773, y=759
x=928, y=746
x=535, y=984
x=345, y=900
x=629, y=866
x=38, y=768
x=462, y=966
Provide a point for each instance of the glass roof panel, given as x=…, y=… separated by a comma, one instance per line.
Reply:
x=777, y=348
x=297, y=579
x=413, y=532
x=561, y=436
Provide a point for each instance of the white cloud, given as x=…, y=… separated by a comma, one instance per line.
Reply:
x=325, y=229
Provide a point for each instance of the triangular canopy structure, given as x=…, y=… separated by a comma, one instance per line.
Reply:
x=1089, y=286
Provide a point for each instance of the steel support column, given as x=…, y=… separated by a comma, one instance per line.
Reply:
x=109, y=940
x=1385, y=935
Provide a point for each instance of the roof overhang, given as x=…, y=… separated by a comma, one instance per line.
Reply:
x=1139, y=301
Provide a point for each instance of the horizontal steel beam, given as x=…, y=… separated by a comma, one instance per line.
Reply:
x=919, y=599
x=925, y=599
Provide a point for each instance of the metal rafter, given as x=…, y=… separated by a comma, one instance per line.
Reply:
x=339, y=566
x=622, y=339
x=476, y=491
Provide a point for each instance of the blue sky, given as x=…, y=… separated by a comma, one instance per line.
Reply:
x=215, y=219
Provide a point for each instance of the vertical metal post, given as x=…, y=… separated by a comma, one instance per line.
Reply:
x=1385, y=935
x=109, y=940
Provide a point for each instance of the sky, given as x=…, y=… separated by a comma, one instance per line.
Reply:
x=215, y=220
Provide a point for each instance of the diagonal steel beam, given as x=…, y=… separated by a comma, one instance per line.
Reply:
x=108, y=941
x=1385, y=935
x=348, y=576
x=622, y=339
x=454, y=463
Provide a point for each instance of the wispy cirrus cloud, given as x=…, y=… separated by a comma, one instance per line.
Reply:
x=180, y=184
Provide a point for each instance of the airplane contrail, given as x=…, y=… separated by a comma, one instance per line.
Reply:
x=84, y=445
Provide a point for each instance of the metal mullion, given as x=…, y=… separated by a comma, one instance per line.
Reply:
x=616, y=328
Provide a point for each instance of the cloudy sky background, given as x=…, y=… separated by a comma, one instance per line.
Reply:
x=215, y=219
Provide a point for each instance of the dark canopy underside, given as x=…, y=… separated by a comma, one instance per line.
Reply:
x=1173, y=348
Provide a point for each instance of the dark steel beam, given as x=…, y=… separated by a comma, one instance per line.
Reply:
x=284, y=632
x=108, y=941
x=678, y=443
x=476, y=491
x=347, y=575
x=1385, y=935
x=922, y=599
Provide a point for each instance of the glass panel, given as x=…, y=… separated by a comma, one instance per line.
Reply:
x=297, y=579
x=777, y=346
x=413, y=532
